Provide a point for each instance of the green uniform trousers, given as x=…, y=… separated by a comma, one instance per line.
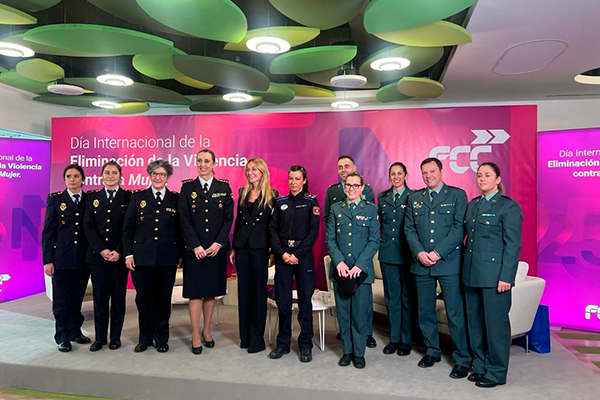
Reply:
x=353, y=316
x=398, y=287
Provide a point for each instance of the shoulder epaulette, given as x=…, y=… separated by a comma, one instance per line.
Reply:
x=174, y=192
x=282, y=198
x=187, y=180
x=54, y=194
x=222, y=180
x=126, y=190
x=310, y=196
x=94, y=191
x=330, y=186
x=137, y=190
x=366, y=184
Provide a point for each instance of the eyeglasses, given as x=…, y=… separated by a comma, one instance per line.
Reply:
x=355, y=186
x=158, y=174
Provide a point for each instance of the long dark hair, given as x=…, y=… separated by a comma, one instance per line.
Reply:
x=295, y=168
x=496, y=169
x=401, y=165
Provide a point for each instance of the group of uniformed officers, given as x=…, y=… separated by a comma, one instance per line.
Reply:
x=423, y=238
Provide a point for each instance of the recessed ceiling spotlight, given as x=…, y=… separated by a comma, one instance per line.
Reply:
x=15, y=50
x=114, y=80
x=109, y=105
x=344, y=104
x=390, y=64
x=65, y=90
x=237, y=97
x=268, y=45
x=348, y=78
x=591, y=77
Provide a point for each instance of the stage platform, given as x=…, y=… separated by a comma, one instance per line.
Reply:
x=29, y=359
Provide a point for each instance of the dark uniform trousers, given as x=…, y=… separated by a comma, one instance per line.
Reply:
x=68, y=290
x=399, y=291
x=354, y=320
x=113, y=281
x=305, y=286
x=154, y=288
x=438, y=226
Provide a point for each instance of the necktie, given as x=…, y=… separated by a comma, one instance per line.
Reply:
x=111, y=194
x=433, y=196
x=205, y=187
x=158, y=196
x=396, y=197
x=76, y=197
x=352, y=206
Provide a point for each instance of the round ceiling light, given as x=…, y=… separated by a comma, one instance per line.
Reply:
x=114, y=80
x=15, y=50
x=65, y=90
x=348, y=79
x=237, y=97
x=109, y=105
x=268, y=45
x=344, y=104
x=591, y=77
x=390, y=64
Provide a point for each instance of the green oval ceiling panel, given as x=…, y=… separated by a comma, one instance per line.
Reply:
x=390, y=93
x=324, y=78
x=294, y=35
x=220, y=20
x=16, y=80
x=322, y=14
x=157, y=66
x=312, y=59
x=73, y=101
x=222, y=73
x=277, y=94
x=32, y=5
x=420, y=58
x=137, y=91
x=130, y=108
x=40, y=70
x=17, y=38
x=191, y=82
x=218, y=104
x=12, y=16
x=99, y=39
x=420, y=87
x=309, y=91
x=129, y=10
x=395, y=15
x=439, y=33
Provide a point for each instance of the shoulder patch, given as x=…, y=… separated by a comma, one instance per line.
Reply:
x=54, y=194
x=187, y=180
x=222, y=180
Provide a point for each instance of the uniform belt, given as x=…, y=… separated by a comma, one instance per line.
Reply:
x=293, y=243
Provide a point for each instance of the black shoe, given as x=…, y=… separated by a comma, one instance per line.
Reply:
x=278, y=352
x=428, y=361
x=459, y=372
x=371, y=342
x=305, y=355
x=140, y=347
x=359, y=362
x=65, y=347
x=114, y=344
x=162, y=347
x=404, y=349
x=254, y=350
x=391, y=348
x=208, y=343
x=196, y=350
x=486, y=383
x=475, y=377
x=345, y=360
x=80, y=339
x=97, y=345
x=338, y=336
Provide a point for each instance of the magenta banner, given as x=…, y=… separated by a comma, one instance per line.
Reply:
x=24, y=173
x=569, y=226
x=461, y=137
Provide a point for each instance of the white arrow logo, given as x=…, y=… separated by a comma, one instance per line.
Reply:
x=4, y=278
x=483, y=136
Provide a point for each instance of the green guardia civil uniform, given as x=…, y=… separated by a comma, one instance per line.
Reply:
x=434, y=222
x=353, y=237
x=493, y=227
x=395, y=260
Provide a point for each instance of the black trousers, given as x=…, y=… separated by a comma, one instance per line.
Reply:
x=68, y=290
x=154, y=288
x=305, y=285
x=110, y=288
x=252, y=271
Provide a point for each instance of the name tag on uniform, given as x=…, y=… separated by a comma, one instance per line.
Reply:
x=488, y=215
x=171, y=210
x=447, y=205
x=363, y=217
x=301, y=205
x=214, y=195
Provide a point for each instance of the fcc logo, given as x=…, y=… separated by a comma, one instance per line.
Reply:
x=484, y=139
x=592, y=309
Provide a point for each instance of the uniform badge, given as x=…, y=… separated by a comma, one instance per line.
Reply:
x=417, y=204
x=194, y=195
x=316, y=210
x=284, y=207
x=63, y=222
x=193, y=206
x=141, y=218
x=96, y=203
x=143, y=203
x=220, y=205
x=63, y=206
